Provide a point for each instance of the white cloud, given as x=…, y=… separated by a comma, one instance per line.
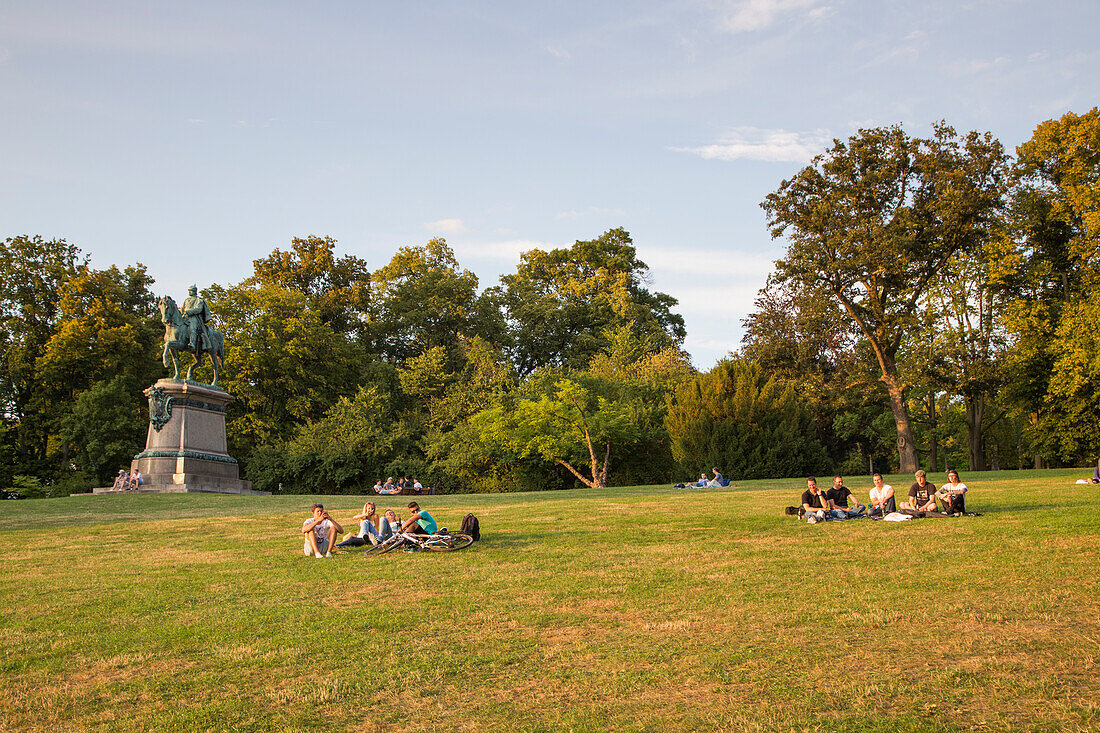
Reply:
x=574, y=213
x=740, y=16
x=559, y=53
x=734, y=266
x=1038, y=56
x=974, y=66
x=446, y=226
x=507, y=250
x=772, y=146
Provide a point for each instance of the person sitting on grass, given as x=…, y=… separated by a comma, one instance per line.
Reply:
x=882, y=497
x=320, y=531
x=838, y=496
x=717, y=480
x=702, y=480
x=953, y=494
x=1096, y=472
x=815, y=505
x=420, y=522
x=922, y=495
x=377, y=488
x=371, y=529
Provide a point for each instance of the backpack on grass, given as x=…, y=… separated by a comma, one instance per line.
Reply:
x=471, y=527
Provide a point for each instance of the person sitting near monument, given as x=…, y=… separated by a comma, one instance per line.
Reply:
x=816, y=506
x=136, y=479
x=121, y=480
x=320, y=531
x=838, y=497
x=882, y=497
x=420, y=522
x=953, y=494
x=922, y=495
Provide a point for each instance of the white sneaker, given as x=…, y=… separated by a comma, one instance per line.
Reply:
x=317, y=555
x=328, y=554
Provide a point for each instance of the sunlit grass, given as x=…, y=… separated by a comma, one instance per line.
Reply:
x=646, y=608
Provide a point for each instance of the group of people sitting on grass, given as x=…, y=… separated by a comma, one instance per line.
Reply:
x=127, y=480
x=924, y=500
x=404, y=485
x=718, y=480
x=321, y=530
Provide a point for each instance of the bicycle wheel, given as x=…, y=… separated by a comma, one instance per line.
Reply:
x=448, y=542
x=383, y=547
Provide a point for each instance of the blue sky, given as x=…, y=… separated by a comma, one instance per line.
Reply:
x=183, y=134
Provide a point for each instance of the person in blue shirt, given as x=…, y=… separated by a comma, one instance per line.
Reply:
x=718, y=478
x=420, y=522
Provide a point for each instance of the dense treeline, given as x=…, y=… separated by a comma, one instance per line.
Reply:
x=938, y=304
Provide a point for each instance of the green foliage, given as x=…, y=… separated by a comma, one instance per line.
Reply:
x=560, y=304
x=337, y=289
x=874, y=219
x=423, y=300
x=106, y=428
x=744, y=422
x=286, y=366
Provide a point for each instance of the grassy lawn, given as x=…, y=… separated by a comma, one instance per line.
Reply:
x=642, y=608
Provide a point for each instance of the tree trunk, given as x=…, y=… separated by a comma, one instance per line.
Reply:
x=907, y=450
x=975, y=411
x=1034, y=420
x=933, y=444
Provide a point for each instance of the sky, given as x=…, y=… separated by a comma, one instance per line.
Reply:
x=197, y=137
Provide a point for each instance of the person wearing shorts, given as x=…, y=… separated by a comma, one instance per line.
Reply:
x=320, y=532
x=421, y=522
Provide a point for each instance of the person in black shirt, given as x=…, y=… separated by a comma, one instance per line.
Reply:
x=838, y=496
x=922, y=495
x=816, y=505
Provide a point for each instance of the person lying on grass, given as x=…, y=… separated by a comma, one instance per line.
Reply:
x=953, y=494
x=420, y=522
x=882, y=497
x=838, y=496
x=320, y=531
x=922, y=495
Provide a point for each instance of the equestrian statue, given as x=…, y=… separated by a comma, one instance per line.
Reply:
x=185, y=329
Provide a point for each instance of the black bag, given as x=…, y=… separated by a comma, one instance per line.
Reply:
x=791, y=511
x=471, y=526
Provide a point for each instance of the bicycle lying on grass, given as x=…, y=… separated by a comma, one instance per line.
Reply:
x=442, y=541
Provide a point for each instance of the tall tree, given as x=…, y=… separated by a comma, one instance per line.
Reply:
x=874, y=219
x=338, y=289
x=424, y=299
x=33, y=273
x=559, y=304
x=1057, y=219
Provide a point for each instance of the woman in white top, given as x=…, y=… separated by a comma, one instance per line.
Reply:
x=952, y=494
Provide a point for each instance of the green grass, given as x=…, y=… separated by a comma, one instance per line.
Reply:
x=642, y=608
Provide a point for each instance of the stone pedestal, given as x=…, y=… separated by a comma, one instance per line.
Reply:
x=186, y=450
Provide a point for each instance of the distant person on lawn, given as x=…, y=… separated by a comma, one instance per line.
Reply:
x=922, y=495
x=717, y=480
x=953, y=494
x=320, y=531
x=420, y=522
x=839, y=494
x=882, y=497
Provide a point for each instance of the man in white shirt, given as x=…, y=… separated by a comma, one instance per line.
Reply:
x=882, y=497
x=321, y=532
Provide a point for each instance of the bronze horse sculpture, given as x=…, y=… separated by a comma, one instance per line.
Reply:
x=177, y=338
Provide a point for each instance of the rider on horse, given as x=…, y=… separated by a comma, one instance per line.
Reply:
x=196, y=314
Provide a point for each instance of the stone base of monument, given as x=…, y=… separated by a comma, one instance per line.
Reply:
x=186, y=449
